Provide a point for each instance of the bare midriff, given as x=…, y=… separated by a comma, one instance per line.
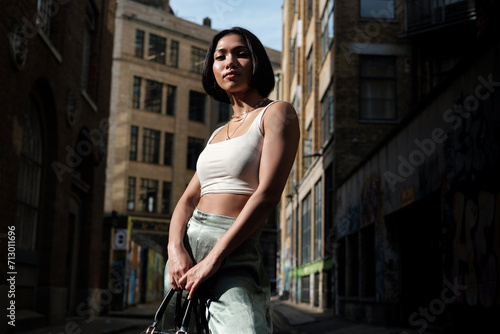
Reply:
x=223, y=204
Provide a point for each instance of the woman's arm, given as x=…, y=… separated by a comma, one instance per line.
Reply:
x=281, y=138
x=179, y=261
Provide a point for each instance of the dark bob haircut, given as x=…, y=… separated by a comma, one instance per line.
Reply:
x=263, y=75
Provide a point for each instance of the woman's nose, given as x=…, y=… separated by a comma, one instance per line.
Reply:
x=230, y=62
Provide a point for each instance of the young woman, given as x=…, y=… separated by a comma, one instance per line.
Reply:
x=215, y=227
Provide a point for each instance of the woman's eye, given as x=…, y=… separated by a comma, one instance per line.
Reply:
x=244, y=55
x=219, y=58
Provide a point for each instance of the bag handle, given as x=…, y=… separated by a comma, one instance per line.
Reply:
x=160, y=311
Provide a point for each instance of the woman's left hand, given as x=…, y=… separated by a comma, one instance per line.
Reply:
x=198, y=274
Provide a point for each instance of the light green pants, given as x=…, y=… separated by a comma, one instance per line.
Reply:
x=238, y=294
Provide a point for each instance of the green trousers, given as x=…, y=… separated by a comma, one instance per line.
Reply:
x=238, y=294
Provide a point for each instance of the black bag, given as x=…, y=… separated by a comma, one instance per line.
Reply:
x=182, y=316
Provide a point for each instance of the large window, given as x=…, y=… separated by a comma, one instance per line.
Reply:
x=171, y=99
x=139, y=43
x=327, y=115
x=195, y=146
x=136, y=93
x=327, y=28
x=306, y=229
x=131, y=194
x=373, y=9
x=157, y=48
x=153, y=96
x=318, y=221
x=168, y=153
x=196, y=106
x=151, y=146
x=308, y=147
x=166, y=198
x=377, y=88
x=29, y=179
x=197, y=59
x=310, y=73
x=148, y=196
x=134, y=135
x=173, y=57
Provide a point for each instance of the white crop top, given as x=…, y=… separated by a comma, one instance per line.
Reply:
x=232, y=166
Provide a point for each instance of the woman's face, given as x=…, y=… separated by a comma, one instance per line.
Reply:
x=233, y=65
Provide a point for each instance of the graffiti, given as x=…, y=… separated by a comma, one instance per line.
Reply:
x=471, y=202
x=371, y=207
x=350, y=222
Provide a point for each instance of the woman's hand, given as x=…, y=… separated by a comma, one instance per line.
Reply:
x=199, y=274
x=179, y=262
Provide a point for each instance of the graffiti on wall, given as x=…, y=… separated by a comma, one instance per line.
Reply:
x=471, y=201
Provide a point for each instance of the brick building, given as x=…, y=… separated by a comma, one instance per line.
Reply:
x=56, y=68
x=406, y=208
x=160, y=118
x=348, y=77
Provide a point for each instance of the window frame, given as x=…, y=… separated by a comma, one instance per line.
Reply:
x=151, y=146
x=306, y=229
x=157, y=49
x=384, y=12
x=197, y=59
x=154, y=96
x=363, y=79
x=197, y=106
x=139, y=43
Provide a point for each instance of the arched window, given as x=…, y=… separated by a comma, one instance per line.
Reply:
x=29, y=177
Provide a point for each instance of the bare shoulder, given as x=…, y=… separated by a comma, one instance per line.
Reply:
x=280, y=112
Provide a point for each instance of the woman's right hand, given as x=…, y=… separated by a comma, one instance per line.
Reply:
x=179, y=262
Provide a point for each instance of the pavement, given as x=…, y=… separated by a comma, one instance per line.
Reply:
x=287, y=317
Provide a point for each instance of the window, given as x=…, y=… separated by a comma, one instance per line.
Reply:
x=44, y=13
x=327, y=28
x=139, y=43
x=153, y=96
x=166, y=198
x=131, y=194
x=90, y=27
x=309, y=72
x=306, y=229
x=171, y=99
x=318, y=221
x=370, y=9
x=309, y=10
x=157, y=48
x=195, y=146
x=136, y=93
x=293, y=53
x=197, y=59
x=223, y=112
x=377, y=88
x=148, y=196
x=327, y=115
x=173, y=57
x=29, y=179
x=307, y=143
x=151, y=146
x=168, y=153
x=196, y=106
x=134, y=133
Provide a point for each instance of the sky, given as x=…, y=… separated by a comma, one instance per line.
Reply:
x=262, y=17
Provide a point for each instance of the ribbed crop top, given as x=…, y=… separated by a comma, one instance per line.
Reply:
x=232, y=166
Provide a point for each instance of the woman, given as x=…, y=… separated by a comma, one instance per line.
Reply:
x=241, y=173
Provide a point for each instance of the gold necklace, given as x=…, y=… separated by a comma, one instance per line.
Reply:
x=243, y=117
